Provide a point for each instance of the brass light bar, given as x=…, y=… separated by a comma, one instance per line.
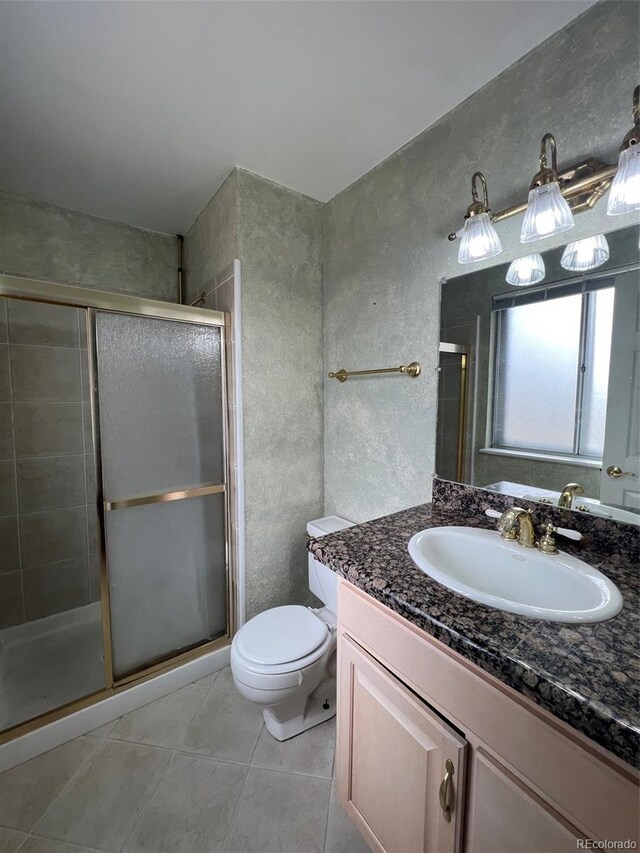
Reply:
x=582, y=185
x=414, y=369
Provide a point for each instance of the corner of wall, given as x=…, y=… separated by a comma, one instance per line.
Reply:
x=211, y=243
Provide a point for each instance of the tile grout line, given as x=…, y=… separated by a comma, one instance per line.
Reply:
x=137, y=817
x=15, y=464
x=84, y=466
x=174, y=752
x=71, y=844
x=244, y=785
x=43, y=457
x=326, y=825
x=73, y=777
x=290, y=772
x=326, y=822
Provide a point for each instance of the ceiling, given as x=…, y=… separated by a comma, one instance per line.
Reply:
x=137, y=111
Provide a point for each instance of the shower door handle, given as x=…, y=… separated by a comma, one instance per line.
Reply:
x=165, y=497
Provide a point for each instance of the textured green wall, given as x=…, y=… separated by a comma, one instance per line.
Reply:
x=281, y=250
x=211, y=244
x=43, y=241
x=278, y=236
x=386, y=250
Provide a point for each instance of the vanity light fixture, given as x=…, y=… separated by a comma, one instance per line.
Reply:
x=527, y=270
x=556, y=196
x=479, y=238
x=587, y=254
x=548, y=212
x=624, y=196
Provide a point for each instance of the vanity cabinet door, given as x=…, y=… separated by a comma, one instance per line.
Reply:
x=393, y=753
x=505, y=816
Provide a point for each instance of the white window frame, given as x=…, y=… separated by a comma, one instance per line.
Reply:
x=574, y=458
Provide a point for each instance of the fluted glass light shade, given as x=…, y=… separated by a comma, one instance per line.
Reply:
x=585, y=254
x=624, y=195
x=548, y=213
x=528, y=270
x=479, y=240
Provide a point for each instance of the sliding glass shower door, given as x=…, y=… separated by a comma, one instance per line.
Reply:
x=116, y=542
x=162, y=450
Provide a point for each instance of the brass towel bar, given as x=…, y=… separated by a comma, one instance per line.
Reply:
x=414, y=369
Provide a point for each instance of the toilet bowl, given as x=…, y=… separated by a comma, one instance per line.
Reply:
x=284, y=658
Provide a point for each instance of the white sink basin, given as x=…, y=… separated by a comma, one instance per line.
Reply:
x=480, y=565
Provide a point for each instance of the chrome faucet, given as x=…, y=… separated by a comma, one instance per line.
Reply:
x=516, y=517
x=568, y=493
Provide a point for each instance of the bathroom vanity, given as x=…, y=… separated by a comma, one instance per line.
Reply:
x=465, y=728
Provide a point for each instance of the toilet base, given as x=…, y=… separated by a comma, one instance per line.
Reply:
x=292, y=718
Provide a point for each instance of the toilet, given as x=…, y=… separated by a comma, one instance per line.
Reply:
x=284, y=658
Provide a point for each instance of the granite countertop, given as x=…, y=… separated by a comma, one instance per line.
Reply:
x=586, y=675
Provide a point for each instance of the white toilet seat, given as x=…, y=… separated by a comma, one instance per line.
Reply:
x=291, y=673
x=281, y=636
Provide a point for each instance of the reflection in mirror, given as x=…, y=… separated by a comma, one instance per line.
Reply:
x=539, y=393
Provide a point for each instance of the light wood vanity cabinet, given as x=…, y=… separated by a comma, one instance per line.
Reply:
x=398, y=748
x=410, y=709
x=505, y=814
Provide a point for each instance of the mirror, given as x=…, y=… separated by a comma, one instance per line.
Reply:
x=539, y=385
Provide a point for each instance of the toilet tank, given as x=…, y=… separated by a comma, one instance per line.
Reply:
x=322, y=581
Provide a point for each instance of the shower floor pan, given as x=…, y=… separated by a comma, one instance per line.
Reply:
x=49, y=662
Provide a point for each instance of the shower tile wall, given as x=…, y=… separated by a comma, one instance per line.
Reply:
x=48, y=528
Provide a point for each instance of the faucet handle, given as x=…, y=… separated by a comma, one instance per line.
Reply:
x=547, y=543
x=561, y=531
x=570, y=534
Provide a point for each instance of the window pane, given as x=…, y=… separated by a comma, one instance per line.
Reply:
x=596, y=371
x=536, y=378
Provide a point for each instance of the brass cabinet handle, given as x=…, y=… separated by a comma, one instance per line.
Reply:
x=616, y=473
x=447, y=792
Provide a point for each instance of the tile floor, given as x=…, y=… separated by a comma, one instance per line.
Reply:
x=193, y=772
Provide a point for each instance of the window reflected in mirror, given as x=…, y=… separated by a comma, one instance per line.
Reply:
x=567, y=340
x=540, y=385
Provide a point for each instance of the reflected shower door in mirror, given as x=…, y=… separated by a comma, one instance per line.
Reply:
x=552, y=395
x=162, y=437
x=453, y=368
x=51, y=646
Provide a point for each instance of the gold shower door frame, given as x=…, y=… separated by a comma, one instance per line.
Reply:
x=458, y=349
x=32, y=290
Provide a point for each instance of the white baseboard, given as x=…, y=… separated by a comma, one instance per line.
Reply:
x=79, y=723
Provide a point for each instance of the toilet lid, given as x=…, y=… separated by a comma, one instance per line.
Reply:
x=281, y=635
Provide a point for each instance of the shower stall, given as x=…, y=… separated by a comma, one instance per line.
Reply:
x=116, y=533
